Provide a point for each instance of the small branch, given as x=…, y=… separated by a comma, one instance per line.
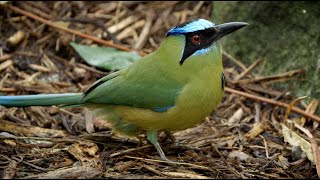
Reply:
x=145, y=31
x=234, y=60
x=129, y=150
x=252, y=66
x=290, y=106
x=270, y=101
x=272, y=77
x=172, y=162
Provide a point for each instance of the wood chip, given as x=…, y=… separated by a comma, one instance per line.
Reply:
x=5, y=64
x=16, y=38
x=39, y=68
x=124, y=23
x=258, y=128
x=237, y=116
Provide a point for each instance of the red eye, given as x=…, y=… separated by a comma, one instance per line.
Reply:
x=196, y=39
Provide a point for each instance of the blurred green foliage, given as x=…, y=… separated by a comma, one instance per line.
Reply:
x=284, y=34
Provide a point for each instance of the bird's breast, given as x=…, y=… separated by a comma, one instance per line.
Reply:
x=195, y=102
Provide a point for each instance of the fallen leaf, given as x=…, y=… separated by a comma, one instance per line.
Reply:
x=295, y=140
x=105, y=57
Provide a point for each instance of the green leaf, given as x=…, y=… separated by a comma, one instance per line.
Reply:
x=105, y=57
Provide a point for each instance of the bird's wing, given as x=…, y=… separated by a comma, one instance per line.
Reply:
x=157, y=94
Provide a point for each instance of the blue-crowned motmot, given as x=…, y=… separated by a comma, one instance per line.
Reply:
x=173, y=88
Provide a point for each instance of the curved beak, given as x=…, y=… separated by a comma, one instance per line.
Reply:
x=227, y=28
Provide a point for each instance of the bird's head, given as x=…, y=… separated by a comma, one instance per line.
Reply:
x=199, y=36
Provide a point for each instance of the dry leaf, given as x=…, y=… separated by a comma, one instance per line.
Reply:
x=85, y=151
x=295, y=140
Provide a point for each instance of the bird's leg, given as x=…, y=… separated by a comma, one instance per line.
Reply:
x=152, y=137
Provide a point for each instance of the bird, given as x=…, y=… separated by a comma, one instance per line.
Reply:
x=171, y=89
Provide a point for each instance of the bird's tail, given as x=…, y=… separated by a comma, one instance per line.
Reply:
x=67, y=99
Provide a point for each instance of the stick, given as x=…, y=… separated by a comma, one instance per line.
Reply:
x=270, y=101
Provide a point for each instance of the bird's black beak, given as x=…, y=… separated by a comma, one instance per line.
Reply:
x=227, y=28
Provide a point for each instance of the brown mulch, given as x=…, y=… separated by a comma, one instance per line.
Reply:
x=242, y=138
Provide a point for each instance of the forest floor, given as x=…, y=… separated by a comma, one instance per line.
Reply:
x=242, y=138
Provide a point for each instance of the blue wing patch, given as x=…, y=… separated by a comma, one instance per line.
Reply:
x=161, y=109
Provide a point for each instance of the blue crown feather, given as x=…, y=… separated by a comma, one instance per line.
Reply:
x=191, y=26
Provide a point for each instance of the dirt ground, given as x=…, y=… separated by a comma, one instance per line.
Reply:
x=242, y=138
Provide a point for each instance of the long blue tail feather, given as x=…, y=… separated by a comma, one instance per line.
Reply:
x=41, y=100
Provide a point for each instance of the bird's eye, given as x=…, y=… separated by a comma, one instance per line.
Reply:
x=196, y=39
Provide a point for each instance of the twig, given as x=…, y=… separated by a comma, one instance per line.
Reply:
x=198, y=7
x=129, y=31
x=153, y=170
x=270, y=101
x=252, y=66
x=265, y=146
x=32, y=165
x=145, y=31
x=91, y=69
x=51, y=24
x=64, y=61
x=175, y=174
x=8, y=90
x=257, y=108
x=234, y=60
x=312, y=107
x=272, y=77
x=124, y=23
x=98, y=23
x=290, y=106
x=5, y=64
x=36, y=10
x=129, y=150
x=171, y=162
x=5, y=57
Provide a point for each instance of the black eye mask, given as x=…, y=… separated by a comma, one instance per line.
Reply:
x=206, y=40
